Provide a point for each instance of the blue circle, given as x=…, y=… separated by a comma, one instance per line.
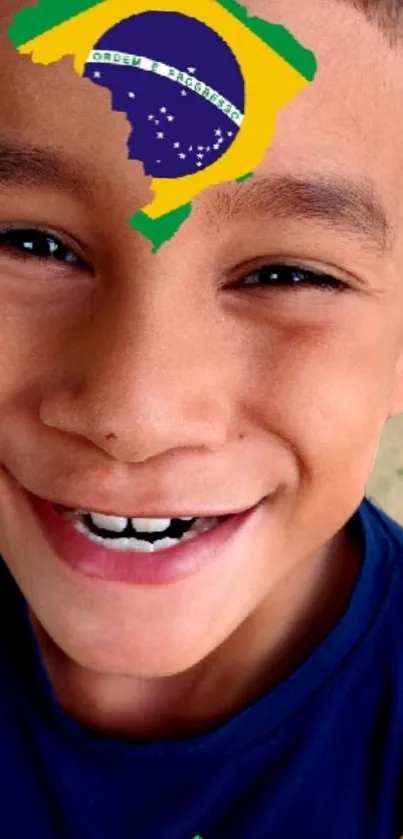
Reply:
x=176, y=130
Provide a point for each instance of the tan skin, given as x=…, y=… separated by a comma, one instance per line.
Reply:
x=143, y=381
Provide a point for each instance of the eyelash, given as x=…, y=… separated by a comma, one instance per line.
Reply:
x=14, y=240
x=280, y=275
x=292, y=276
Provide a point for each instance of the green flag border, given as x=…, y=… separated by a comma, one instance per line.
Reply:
x=160, y=230
x=34, y=21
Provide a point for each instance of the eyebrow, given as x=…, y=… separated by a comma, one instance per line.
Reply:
x=32, y=166
x=354, y=207
x=350, y=206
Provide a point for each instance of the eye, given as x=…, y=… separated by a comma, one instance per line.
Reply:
x=291, y=277
x=31, y=243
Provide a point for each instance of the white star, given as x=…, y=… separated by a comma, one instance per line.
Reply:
x=218, y=132
x=151, y=116
x=220, y=141
x=182, y=155
x=132, y=95
x=216, y=146
x=198, y=163
x=157, y=122
x=200, y=148
x=97, y=75
x=170, y=118
x=191, y=69
x=200, y=155
x=176, y=145
x=230, y=133
x=160, y=135
x=190, y=148
x=163, y=110
x=183, y=93
x=208, y=148
x=158, y=161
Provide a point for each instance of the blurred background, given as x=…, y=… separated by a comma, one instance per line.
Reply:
x=385, y=485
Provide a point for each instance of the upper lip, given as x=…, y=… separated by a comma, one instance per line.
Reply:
x=166, y=513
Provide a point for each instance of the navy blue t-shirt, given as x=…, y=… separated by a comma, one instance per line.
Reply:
x=318, y=756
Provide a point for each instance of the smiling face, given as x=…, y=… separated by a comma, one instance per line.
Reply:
x=207, y=376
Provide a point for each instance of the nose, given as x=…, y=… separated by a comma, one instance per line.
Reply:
x=142, y=378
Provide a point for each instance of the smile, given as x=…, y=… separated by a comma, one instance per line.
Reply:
x=137, y=534
x=139, y=551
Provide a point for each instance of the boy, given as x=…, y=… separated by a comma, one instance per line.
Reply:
x=248, y=681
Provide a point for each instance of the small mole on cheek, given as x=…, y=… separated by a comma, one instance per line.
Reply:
x=111, y=436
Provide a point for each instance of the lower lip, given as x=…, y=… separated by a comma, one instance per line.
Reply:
x=166, y=566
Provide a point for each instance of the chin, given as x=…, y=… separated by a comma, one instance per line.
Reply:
x=145, y=655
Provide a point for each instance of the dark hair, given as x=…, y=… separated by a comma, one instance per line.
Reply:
x=387, y=14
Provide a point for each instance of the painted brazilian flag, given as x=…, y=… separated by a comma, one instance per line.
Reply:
x=200, y=82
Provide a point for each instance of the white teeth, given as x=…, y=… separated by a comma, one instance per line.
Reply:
x=165, y=543
x=124, y=544
x=141, y=545
x=150, y=525
x=115, y=523
x=118, y=524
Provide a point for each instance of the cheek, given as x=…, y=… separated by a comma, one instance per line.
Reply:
x=322, y=390
x=34, y=334
x=24, y=348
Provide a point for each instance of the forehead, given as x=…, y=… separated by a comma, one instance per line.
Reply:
x=346, y=122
